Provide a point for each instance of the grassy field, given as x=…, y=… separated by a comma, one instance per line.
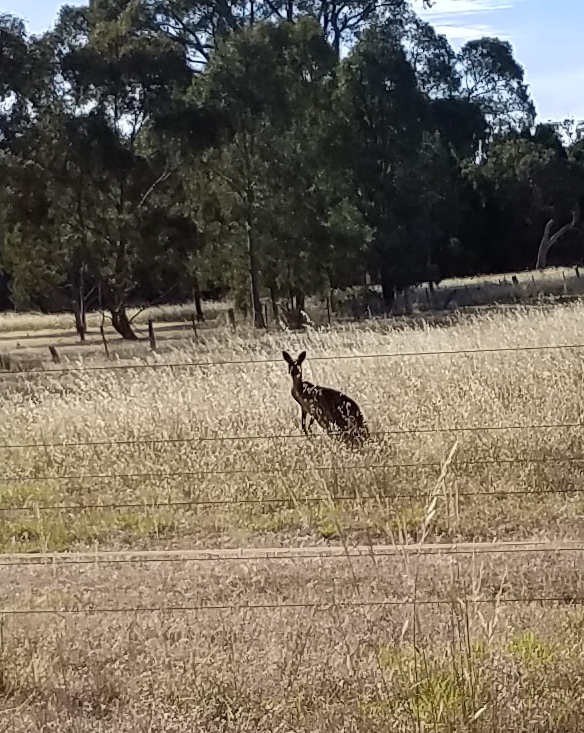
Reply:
x=25, y=336
x=466, y=447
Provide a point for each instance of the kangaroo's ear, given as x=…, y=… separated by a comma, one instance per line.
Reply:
x=288, y=358
x=301, y=358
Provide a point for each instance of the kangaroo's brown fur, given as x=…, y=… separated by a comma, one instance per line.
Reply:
x=335, y=412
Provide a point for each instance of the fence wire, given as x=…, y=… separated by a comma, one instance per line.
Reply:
x=324, y=357
x=322, y=606
x=286, y=436
x=287, y=554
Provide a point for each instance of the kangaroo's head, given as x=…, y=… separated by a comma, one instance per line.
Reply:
x=294, y=366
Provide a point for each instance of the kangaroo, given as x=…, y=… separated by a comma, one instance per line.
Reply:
x=335, y=412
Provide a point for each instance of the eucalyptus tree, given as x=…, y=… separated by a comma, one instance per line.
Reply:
x=109, y=171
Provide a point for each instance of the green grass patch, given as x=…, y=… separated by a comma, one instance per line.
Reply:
x=53, y=532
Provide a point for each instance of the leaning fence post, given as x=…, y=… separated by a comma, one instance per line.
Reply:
x=231, y=317
x=103, y=338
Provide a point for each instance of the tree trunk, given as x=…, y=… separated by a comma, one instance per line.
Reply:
x=80, y=321
x=121, y=323
x=256, y=302
x=300, y=306
x=387, y=291
x=408, y=301
x=78, y=301
x=199, y=306
x=198, y=302
x=337, y=43
x=548, y=240
x=274, y=302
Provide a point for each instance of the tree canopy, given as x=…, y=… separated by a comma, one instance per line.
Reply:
x=150, y=149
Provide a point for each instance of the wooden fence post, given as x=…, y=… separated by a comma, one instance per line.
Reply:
x=103, y=338
x=231, y=317
x=151, y=335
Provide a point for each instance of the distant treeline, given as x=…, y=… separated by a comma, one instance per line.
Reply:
x=157, y=151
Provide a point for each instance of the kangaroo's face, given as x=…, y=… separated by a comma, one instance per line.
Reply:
x=294, y=366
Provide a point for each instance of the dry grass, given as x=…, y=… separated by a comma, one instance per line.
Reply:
x=452, y=667
x=34, y=330
x=25, y=338
x=12, y=323
x=489, y=666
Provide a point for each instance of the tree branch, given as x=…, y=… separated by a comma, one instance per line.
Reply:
x=152, y=303
x=164, y=176
x=547, y=241
x=230, y=182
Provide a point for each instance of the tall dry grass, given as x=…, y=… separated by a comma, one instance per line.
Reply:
x=12, y=322
x=229, y=435
x=278, y=646
x=231, y=432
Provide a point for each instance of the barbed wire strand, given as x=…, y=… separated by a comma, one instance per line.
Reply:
x=256, y=362
x=285, y=436
x=291, y=500
x=566, y=600
x=146, y=557
x=282, y=470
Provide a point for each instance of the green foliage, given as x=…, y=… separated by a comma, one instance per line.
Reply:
x=149, y=150
x=275, y=84
x=494, y=80
x=394, y=157
x=533, y=653
x=98, y=164
x=525, y=180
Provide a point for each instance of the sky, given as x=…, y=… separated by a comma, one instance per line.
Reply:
x=546, y=38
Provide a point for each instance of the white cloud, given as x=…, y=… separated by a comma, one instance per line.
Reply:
x=466, y=7
x=446, y=17
x=461, y=33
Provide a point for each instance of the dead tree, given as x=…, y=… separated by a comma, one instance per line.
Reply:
x=548, y=240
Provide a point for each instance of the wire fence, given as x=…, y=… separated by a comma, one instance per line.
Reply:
x=292, y=499
x=287, y=436
x=296, y=606
x=284, y=470
x=239, y=556
x=287, y=554
x=55, y=606
x=258, y=362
